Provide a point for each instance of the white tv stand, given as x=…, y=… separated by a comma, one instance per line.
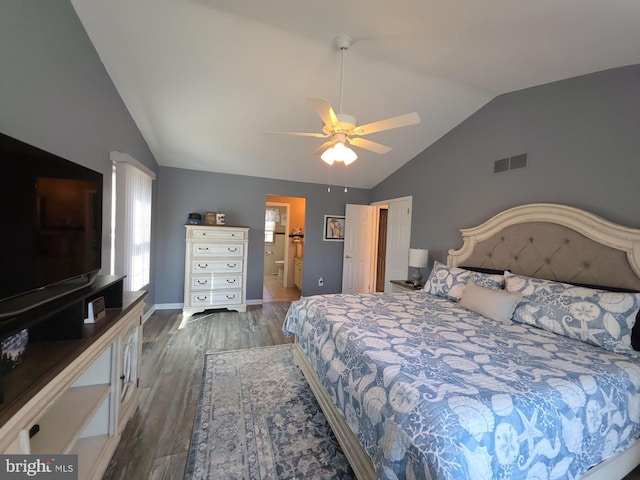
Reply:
x=83, y=390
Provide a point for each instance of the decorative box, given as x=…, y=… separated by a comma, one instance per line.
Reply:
x=214, y=218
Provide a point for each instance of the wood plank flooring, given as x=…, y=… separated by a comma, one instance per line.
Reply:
x=155, y=443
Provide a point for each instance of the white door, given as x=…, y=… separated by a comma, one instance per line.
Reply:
x=398, y=240
x=359, y=248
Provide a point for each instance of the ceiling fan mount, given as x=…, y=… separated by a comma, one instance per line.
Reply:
x=344, y=42
x=343, y=129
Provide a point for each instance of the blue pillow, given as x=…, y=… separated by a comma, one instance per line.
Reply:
x=449, y=282
x=592, y=316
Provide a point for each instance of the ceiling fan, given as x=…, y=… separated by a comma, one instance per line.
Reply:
x=343, y=130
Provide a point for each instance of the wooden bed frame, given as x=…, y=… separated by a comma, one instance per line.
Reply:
x=543, y=240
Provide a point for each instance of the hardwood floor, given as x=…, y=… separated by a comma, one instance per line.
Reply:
x=155, y=442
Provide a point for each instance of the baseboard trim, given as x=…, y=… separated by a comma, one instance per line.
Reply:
x=169, y=306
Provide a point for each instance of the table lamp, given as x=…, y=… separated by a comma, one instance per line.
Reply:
x=418, y=258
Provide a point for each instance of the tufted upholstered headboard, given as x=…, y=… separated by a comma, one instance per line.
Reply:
x=555, y=242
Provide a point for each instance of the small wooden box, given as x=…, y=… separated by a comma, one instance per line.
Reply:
x=214, y=218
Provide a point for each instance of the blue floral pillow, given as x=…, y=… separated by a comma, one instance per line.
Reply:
x=449, y=282
x=592, y=316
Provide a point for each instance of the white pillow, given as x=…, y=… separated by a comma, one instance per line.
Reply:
x=494, y=304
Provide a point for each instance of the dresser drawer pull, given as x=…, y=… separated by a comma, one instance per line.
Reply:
x=232, y=249
x=202, y=282
x=232, y=265
x=203, y=265
x=203, y=249
x=202, y=298
x=231, y=297
x=234, y=280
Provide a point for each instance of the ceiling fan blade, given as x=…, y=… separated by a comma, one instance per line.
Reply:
x=301, y=134
x=369, y=145
x=324, y=110
x=320, y=150
x=388, y=124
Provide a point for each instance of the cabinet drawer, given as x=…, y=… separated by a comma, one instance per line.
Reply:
x=216, y=266
x=216, y=298
x=218, y=234
x=208, y=282
x=217, y=250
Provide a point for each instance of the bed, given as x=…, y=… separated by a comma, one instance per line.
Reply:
x=505, y=366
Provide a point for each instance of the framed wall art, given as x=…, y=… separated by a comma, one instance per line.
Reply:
x=333, y=228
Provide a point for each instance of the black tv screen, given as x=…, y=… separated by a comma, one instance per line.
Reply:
x=51, y=216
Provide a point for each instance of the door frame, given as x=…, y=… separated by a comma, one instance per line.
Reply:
x=385, y=203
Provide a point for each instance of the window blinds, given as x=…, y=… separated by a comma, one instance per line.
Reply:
x=132, y=234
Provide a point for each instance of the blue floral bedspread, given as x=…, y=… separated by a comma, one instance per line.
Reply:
x=434, y=391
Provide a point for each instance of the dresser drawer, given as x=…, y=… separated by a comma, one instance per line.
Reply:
x=218, y=234
x=216, y=266
x=218, y=250
x=216, y=298
x=209, y=282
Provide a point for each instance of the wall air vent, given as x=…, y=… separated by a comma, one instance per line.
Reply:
x=510, y=163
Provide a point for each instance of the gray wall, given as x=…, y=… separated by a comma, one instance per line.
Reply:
x=55, y=93
x=243, y=200
x=582, y=136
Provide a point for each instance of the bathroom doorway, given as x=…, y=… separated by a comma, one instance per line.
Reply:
x=283, y=248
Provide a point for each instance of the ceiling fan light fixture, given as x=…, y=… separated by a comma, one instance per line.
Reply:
x=339, y=153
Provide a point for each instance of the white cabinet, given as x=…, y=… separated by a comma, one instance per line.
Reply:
x=82, y=406
x=297, y=272
x=215, y=268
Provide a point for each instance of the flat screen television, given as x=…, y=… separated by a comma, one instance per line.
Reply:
x=51, y=217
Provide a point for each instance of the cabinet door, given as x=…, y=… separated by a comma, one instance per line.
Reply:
x=129, y=364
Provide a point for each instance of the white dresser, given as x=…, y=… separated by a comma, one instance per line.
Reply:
x=215, y=268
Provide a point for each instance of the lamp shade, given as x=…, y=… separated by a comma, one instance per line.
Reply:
x=340, y=153
x=418, y=257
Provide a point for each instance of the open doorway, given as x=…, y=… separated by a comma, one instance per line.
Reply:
x=283, y=248
x=381, y=254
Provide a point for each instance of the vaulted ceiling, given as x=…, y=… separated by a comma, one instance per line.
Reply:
x=205, y=79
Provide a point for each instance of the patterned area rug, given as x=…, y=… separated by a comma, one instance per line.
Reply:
x=257, y=419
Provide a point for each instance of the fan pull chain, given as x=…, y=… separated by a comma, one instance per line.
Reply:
x=346, y=178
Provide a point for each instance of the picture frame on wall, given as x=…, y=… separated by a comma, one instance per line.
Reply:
x=333, y=228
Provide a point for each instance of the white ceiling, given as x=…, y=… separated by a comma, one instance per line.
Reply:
x=204, y=79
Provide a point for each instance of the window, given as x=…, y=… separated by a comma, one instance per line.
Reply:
x=131, y=221
x=271, y=217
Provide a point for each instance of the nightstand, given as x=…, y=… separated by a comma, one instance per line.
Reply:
x=398, y=286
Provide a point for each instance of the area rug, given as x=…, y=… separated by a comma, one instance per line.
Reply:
x=257, y=419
